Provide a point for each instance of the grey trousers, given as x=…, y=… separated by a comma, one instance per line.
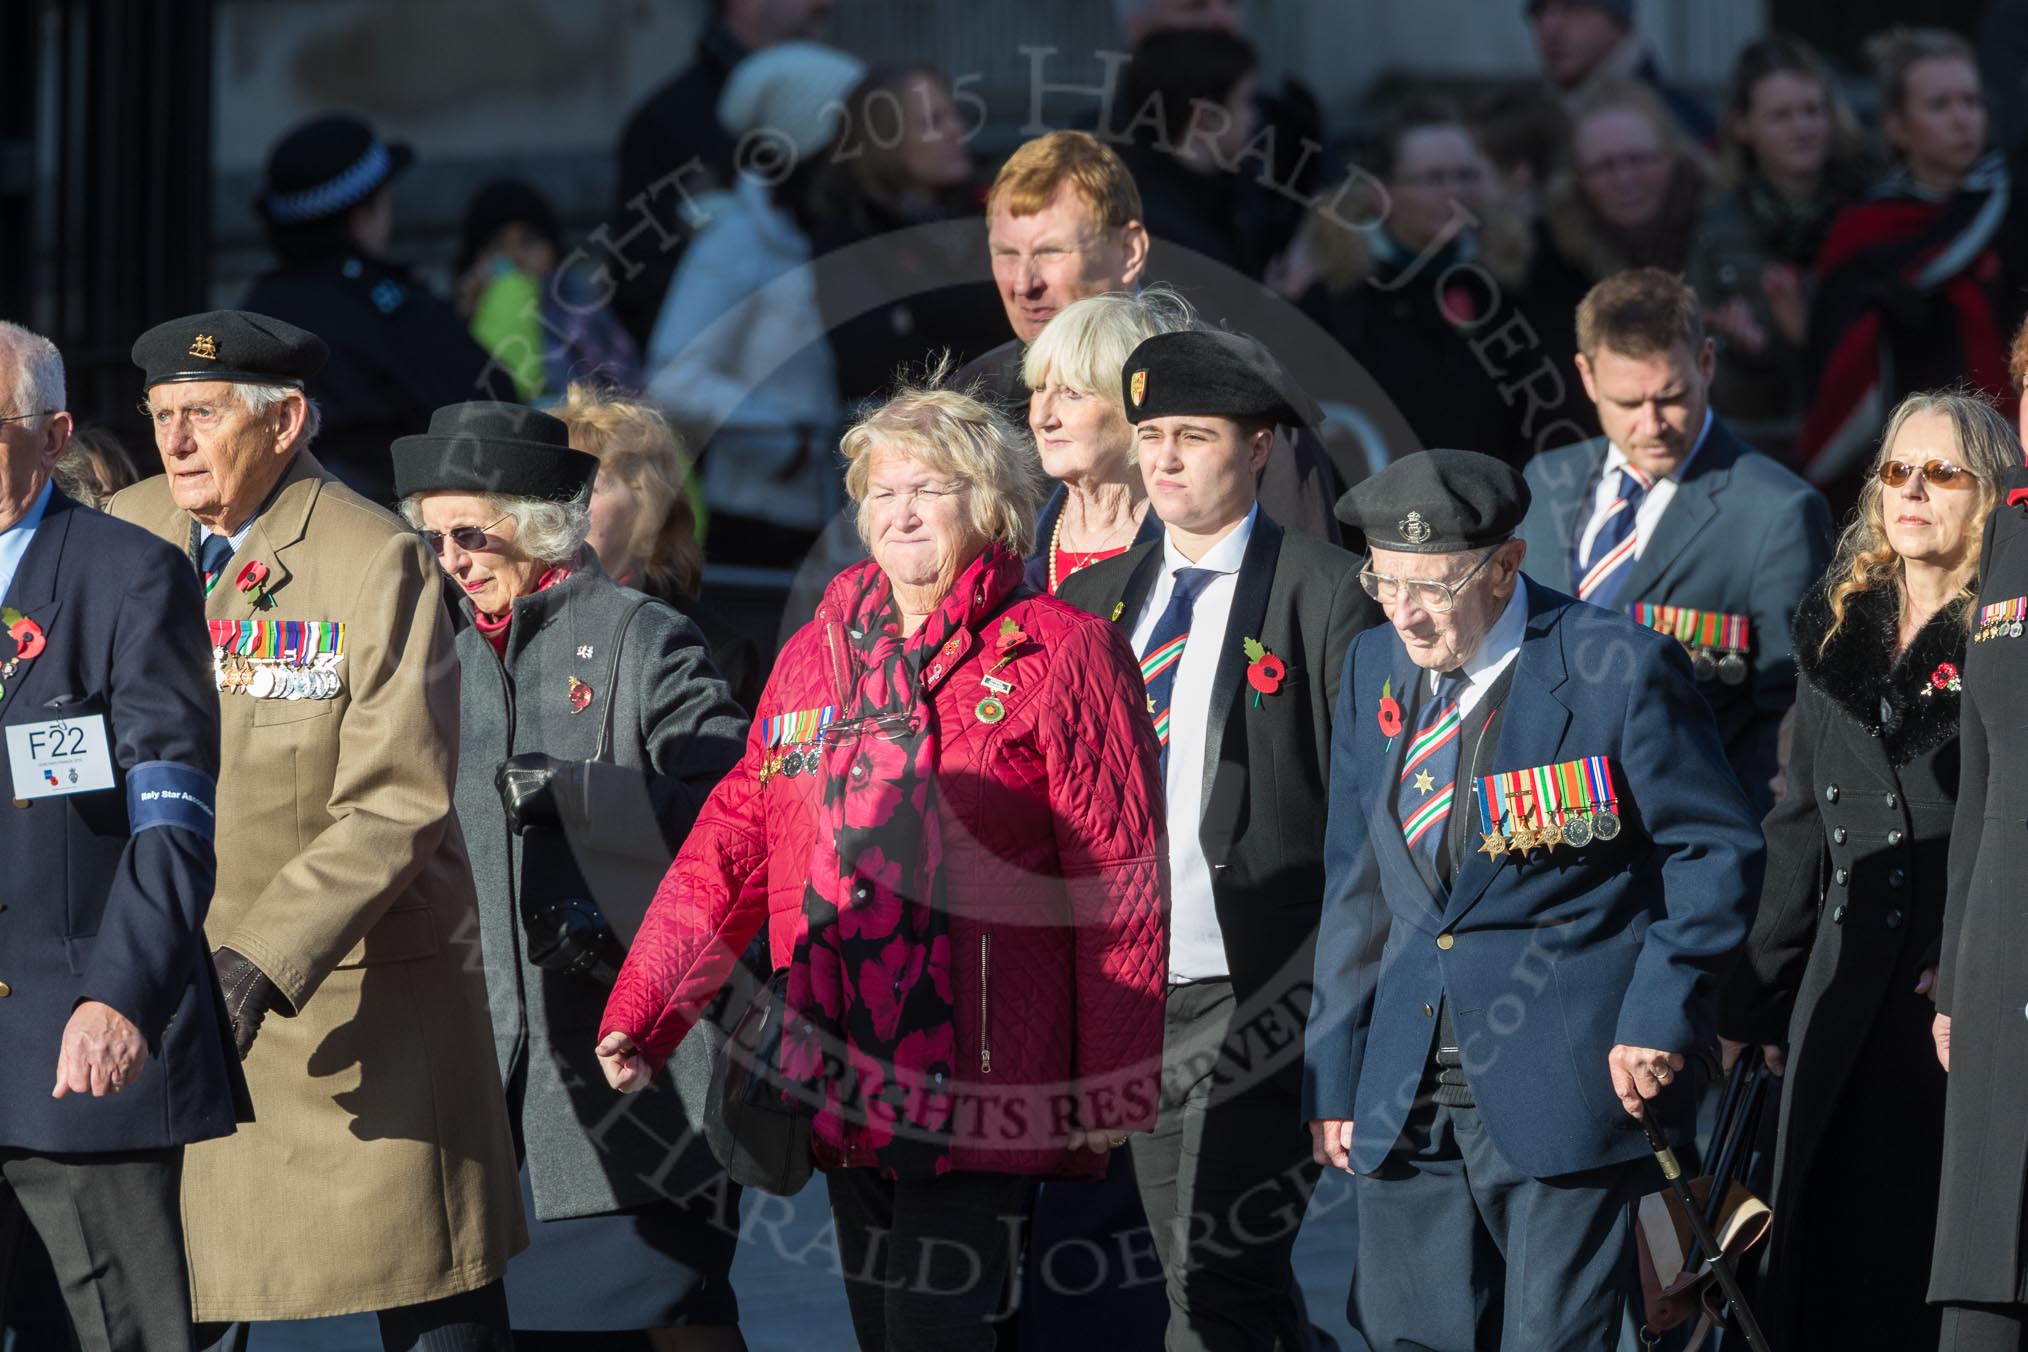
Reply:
x=1983, y=1328
x=1225, y=1178
x=114, y=1232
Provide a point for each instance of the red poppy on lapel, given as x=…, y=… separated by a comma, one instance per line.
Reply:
x=1390, y=711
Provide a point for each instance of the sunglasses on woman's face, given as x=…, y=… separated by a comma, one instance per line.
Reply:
x=1937, y=473
x=471, y=539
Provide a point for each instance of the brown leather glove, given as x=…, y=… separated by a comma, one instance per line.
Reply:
x=249, y=995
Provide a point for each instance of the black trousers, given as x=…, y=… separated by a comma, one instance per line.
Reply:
x=927, y=1263
x=471, y=1321
x=1225, y=1178
x=1983, y=1328
x=114, y=1233
x=1459, y=1251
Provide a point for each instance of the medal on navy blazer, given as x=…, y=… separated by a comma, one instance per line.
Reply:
x=1717, y=642
x=1570, y=803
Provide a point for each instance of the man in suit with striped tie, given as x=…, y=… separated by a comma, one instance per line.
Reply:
x=1241, y=628
x=1673, y=520
x=1537, y=868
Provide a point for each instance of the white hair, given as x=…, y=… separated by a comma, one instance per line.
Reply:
x=258, y=399
x=1086, y=343
x=38, y=371
x=548, y=532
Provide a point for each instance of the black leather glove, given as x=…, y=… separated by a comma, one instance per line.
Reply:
x=537, y=789
x=249, y=995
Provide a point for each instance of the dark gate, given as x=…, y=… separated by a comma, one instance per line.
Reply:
x=105, y=181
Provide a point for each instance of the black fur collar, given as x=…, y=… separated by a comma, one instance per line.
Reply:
x=1894, y=699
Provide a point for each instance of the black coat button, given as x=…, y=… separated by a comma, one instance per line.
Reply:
x=1838, y=836
x=1838, y=915
x=1894, y=920
x=862, y=891
x=1895, y=837
x=1893, y=800
x=1842, y=877
x=1830, y=793
x=1895, y=877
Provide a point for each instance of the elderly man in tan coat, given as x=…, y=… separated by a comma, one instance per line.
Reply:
x=379, y=1173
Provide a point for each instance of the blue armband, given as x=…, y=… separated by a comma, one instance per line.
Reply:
x=163, y=793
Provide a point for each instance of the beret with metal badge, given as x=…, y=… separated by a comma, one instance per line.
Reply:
x=1437, y=502
x=234, y=345
x=1211, y=373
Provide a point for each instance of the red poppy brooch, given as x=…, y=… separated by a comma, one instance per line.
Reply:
x=252, y=580
x=28, y=641
x=1390, y=712
x=1264, y=672
x=1945, y=677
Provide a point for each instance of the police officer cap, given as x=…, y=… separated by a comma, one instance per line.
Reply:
x=235, y=345
x=487, y=447
x=324, y=166
x=1438, y=502
x=1212, y=374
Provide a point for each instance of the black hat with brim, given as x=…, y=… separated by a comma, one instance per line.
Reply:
x=1211, y=373
x=234, y=345
x=324, y=166
x=508, y=450
x=1438, y=502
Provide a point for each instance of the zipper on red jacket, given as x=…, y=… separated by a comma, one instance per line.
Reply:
x=985, y=1004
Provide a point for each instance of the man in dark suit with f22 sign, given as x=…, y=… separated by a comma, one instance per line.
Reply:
x=111, y=755
x=1538, y=866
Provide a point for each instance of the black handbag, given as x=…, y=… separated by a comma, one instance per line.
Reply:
x=759, y=1136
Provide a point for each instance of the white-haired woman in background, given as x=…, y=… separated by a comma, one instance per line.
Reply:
x=1077, y=413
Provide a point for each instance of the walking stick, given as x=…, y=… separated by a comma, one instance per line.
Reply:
x=1749, y=1327
x=1738, y=1117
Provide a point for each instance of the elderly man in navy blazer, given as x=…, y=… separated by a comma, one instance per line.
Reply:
x=1537, y=867
x=1672, y=520
x=114, y=1045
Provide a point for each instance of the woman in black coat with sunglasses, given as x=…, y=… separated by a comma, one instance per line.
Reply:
x=1840, y=969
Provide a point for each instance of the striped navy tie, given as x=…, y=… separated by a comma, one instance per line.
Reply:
x=1429, y=771
x=1604, y=570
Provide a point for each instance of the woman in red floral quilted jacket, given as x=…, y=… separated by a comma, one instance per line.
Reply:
x=949, y=817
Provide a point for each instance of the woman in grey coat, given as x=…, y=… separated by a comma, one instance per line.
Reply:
x=593, y=726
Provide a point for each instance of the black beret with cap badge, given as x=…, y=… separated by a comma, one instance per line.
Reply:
x=233, y=345
x=1212, y=373
x=1438, y=502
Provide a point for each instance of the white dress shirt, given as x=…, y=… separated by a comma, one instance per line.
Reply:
x=1607, y=492
x=237, y=538
x=1496, y=653
x=1196, y=944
